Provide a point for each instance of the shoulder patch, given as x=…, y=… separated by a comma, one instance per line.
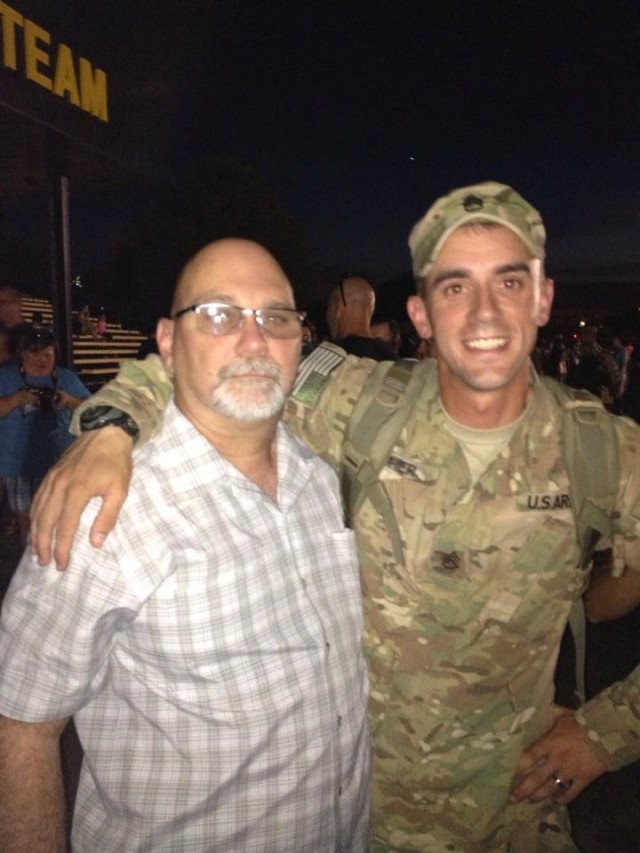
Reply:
x=314, y=372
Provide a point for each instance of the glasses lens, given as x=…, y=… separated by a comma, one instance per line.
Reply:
x=217, y=319
x=279, y=322
x=214, y=319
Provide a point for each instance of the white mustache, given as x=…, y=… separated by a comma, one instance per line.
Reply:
x=248, y=366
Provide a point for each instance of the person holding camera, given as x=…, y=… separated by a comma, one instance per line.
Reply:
x=37, y=399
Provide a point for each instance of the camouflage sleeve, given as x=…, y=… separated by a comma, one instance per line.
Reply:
x=142, y=389
x=627, y=510
x=612, y=718
x=328, y=385
x=612, y=722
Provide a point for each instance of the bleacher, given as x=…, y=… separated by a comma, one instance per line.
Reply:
x=96, y=360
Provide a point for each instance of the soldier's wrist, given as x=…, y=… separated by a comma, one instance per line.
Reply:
x=100, y=417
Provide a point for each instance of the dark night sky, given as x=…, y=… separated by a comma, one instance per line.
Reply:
x=362, y=113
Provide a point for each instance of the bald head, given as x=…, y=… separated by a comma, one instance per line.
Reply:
x=240, y=373
x=350, y=308
x=225, y=264
x=357, y=289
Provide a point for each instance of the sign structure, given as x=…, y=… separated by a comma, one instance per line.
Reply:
x=77, y=112
x=32, y=52
x=95, y=81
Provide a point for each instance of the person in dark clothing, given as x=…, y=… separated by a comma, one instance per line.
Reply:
x=388, y=330
x=148, y=346
x=349, y=312
x=631, y=396
x=556, y=360
x=596, y=370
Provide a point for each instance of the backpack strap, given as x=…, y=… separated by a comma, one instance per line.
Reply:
x=591, y=457
x=374, y=427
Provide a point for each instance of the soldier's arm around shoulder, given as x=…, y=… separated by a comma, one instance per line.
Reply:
x=142, y=390
x=99, y=463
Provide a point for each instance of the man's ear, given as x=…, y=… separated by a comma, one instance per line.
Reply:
x=545, y=301
x=417, y=311
x=164, y=338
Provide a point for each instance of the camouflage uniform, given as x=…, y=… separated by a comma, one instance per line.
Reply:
x=463, y=637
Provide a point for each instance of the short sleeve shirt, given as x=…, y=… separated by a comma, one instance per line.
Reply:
x=211, y=656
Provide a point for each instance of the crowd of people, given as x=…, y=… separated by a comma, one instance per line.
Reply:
x=611, y=372
x=248, y=673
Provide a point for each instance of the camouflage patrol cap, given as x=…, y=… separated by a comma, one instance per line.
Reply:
x=486, y=202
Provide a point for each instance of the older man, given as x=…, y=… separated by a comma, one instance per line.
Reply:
x=462, y=630
x=211, y=655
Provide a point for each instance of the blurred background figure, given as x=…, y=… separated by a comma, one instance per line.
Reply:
x=36, y=402
x=424, y=349
x=595, y=369
x=12, y=319
x=631, y=396
x=5, y=354
x=388, y=330
x=349, y=312
x=556, y=360
x=621, y=358
x=85, y=322
x=416, y=349
x=149, y=345
x=101, y=326
x=309, y=337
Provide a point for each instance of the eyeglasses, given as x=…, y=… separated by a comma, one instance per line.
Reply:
x=218, y=318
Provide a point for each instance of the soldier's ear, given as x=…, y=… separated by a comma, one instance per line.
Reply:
x=545, y=301
x=417, y=311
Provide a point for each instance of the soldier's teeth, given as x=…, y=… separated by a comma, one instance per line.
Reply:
x=487, y=343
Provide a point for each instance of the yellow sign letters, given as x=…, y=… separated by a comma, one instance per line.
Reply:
x=53, y=67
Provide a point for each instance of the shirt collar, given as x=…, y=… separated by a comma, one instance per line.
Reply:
x=191, y=463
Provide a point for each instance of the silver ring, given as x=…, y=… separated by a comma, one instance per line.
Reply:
x=561, y=784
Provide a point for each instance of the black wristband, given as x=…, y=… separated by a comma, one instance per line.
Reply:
x=98, y=417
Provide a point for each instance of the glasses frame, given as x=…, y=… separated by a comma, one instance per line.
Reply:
x=257, y=313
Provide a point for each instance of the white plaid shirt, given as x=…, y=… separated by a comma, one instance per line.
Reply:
x=210, y=653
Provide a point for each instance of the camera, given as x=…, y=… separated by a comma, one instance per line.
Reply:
x=47, y=399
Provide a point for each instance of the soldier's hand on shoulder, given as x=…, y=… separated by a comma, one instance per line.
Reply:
x=98, y=464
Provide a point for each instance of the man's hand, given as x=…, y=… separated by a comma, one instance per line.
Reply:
x=98, y=464
x=563, y=755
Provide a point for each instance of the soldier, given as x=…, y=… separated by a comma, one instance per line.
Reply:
x=461, y=633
